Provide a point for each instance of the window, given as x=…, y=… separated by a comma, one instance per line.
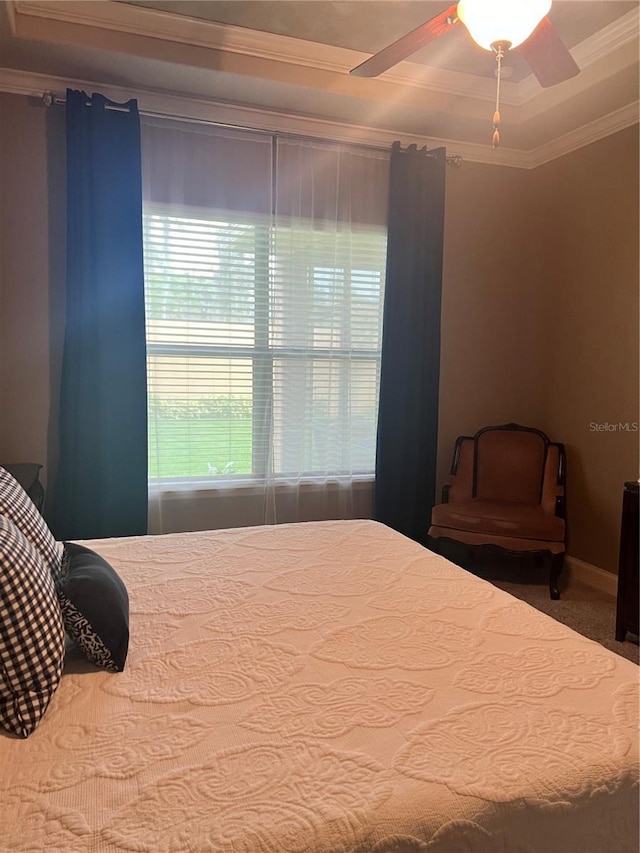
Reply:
x=263, y=342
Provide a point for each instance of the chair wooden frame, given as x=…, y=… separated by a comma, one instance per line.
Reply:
x=551, y=553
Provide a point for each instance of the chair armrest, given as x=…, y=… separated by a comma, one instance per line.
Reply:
x=459, y=485
x=553, y=486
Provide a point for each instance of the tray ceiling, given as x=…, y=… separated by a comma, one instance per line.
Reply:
x=291, y=58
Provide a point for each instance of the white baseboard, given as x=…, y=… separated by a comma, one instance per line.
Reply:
x=578, y=570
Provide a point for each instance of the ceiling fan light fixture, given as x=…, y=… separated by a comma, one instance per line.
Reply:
x=491, y=21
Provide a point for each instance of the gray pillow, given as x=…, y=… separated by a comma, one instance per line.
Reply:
x=95, y=607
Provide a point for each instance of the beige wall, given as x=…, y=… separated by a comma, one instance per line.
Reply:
x=540, y=320
x=539, y=315
x=24, y=279
x=590, y=219
x=492, y=353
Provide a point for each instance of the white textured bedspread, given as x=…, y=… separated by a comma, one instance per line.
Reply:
x=327, y=688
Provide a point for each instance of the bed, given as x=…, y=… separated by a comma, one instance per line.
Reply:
x=327, y=687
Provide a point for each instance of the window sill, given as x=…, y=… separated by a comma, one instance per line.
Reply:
x=158, y=485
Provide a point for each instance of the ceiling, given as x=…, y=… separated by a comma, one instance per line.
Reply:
x=284, y=64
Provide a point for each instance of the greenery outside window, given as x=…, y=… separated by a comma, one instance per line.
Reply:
x=263, y=341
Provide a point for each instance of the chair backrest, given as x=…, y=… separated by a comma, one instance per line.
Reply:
x=510, y=464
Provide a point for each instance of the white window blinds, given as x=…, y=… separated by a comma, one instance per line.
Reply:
x=264, y=328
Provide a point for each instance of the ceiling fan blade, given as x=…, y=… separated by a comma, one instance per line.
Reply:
x=548, y=56
x=408, y=44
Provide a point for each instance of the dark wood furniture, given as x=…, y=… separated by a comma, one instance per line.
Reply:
x=628, y=592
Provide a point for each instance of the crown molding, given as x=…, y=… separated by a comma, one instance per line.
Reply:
x=617, y=62
x=11, y=16
x=242, y=41
x=602, y=127
x=611, y=38
x=195, y=32
x=160, y=103
x=608, y=43
x=181, y=29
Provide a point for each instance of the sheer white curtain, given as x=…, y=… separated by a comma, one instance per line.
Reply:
x=264, y=275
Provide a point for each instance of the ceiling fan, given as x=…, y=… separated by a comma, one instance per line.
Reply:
x=496, y=25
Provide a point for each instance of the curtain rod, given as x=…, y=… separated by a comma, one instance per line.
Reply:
x=51, y=99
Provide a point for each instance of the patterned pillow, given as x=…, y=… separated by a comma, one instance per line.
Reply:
x=18, y=507
x=95, y=607
x=31, y=633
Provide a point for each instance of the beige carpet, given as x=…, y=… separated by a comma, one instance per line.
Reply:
x=581, y=607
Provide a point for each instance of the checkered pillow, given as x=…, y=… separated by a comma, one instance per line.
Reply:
x=18, y=507
x=31, y=633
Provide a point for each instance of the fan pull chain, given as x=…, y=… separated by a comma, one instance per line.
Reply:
x=495, y=141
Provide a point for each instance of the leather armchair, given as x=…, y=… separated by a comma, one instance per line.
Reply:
x=506, y=491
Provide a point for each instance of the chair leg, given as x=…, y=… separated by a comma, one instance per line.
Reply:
x=556, y=564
